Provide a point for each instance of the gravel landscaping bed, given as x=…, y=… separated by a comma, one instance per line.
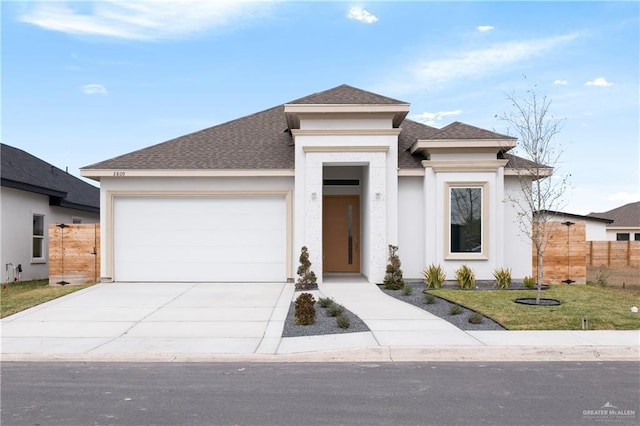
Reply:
x=324, y=324
x=441, y=307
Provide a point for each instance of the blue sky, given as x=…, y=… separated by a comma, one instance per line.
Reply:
x=85, y=81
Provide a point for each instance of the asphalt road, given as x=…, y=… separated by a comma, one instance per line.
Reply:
x=504, y=393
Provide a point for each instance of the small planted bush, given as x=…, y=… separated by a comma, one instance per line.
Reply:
x=335, y=309
x=343, y=321
x=503, y=278
x=325, y=302
x=307, y=279
x=475, y=318
x=455, y=310
x=466, y=277
x=434, y=276
x=429, y=299
x=407, y=290
x=393, y=277
x=529, y=282
x=305, y=311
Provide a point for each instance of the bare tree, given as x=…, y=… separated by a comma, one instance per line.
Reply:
x=542, y=191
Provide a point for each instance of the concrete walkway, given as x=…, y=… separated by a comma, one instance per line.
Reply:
x=219, y=322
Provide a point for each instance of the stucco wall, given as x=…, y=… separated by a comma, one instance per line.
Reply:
x=517, y=245
x=16, y=211
x=411, y=225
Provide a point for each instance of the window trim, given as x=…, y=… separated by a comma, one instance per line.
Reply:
x=623, y=236
x=42, y=238
x=484, y=221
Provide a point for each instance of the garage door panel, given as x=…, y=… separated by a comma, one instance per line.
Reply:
x=200, y=239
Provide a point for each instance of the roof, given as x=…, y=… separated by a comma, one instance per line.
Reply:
x=263, y=140
x=623, y=216
x=575, y=216
x=21, y=170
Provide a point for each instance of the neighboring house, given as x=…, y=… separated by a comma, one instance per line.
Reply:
x=33, y=195
x=343, y=172
x=626, y=222
x=595, y=226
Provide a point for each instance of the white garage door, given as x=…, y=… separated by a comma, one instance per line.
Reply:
x=231, y=239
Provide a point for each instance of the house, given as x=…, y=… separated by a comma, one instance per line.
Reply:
x=625, y=224
x=33, y=195
x=343, y=172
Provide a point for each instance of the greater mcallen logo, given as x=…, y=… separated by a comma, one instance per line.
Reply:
x=609, y=412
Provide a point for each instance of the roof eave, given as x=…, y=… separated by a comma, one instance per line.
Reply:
x=293, y=111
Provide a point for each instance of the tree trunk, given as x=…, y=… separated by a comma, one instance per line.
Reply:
x=539, y=278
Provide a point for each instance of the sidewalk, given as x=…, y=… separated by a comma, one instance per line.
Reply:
x=218, y=322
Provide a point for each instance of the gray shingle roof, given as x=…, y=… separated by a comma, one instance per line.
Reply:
x=24, y=171
x=262, y=140
x=627, y=215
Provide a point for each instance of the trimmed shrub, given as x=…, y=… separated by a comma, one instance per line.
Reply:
x=407, y=290
x=307, y=279
x=343, y=321
x=434, y=276
x=305, y=312
x=335, y=309
x=455, y=310
x=466, y=277
x=325, y=302
x=529, y=282
x=476, y=318
x=429, y=299
x=393, y=276
x=503, y=278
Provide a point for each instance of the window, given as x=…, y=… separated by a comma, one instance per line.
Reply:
x=466, y=226
x=37, y=238
x=76, y=220
x=636, y=236
x=622, y=236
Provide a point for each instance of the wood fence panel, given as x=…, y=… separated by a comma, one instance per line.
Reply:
x=564, y=255
x=74, y=254
x=614, y=253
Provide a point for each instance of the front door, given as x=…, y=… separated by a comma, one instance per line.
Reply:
x=341, y=233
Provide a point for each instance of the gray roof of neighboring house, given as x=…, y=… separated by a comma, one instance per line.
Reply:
x=21, y=170
x=575, y=216
x=623, y=216
x=263, y=140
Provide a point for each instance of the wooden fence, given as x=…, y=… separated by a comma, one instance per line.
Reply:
x=564, y=255
x=613, y=253
x=74, y=253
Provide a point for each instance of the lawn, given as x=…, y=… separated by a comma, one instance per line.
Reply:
x=19, y=296
x=605, y=308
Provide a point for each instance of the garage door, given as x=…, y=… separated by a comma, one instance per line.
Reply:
x=202, y=239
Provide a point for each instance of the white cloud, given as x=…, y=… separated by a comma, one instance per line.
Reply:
x=475, y=63
x=624, y=197
x=362, y=15
x=432, y=118
x=560, y=82
x=484, y=28
x=94, y=89
x=600, y=82
x=138, y=19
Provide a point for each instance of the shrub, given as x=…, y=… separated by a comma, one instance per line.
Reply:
x=393, y=277
x=475, y=318
x=335, y=309
x=343, y=321
x=306, y=277
x=529, y=282
x=407, y=290
x=455, y=310
x=434, y=276
x=466, y=277
x=325, y=302
x=602, y=278
x=429, y=299
x=503, y=278
x=305, y=312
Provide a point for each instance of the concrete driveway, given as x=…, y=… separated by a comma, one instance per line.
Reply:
x=154, y=318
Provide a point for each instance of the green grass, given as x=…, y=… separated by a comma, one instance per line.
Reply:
x=23, y=295
x=604, y=308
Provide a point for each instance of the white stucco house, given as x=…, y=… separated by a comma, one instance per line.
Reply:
x=625, y=222
x=343, y=172
x=33, y=195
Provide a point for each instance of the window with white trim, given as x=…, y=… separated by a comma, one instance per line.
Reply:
x=37, y=238
x=466, y=227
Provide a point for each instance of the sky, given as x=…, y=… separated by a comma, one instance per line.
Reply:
x=85, y=81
